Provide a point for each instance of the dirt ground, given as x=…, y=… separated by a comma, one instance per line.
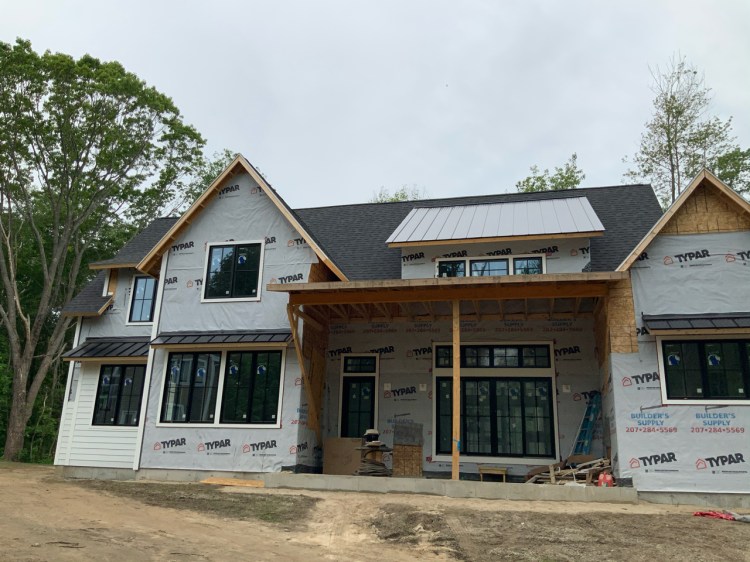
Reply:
x=43, y=517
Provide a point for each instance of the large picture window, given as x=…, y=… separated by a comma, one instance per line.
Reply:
x=190, y=387
x=142, y=302
x=714, y=370
x=233, y=271
x=500, y=416
x=118, y=395
x=251, y=387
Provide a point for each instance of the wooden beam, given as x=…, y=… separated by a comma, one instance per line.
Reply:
x=437, y=294
x=456, y=440
x=477, y=312
x=312, y=322
x=312, y=407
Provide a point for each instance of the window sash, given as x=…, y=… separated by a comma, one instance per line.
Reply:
x=190, y=388
x=528, y=266
x=523, y=264
x=143, y=300
x=500, y=416
x=252, y=380
x=118, y=395
x=233, y=271
x=715, y=370
x=358, y=405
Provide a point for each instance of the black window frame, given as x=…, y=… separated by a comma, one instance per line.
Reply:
x=505, y=261
x=527, y=355
x=271, y=401
x=191, y=389
x=115, y=420
x=345, y=430
x=232, y=273
x=494, y=450
x=527, y=259
x=462, y=267
x=707, y=384
x=133, y=299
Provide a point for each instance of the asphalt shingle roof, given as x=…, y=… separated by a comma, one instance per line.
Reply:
x=354, y=235
x=90, y=299
x=141, y=244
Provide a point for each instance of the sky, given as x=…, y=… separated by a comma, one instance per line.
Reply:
x=333, y=100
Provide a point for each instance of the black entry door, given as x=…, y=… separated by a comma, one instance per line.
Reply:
x=357, y=406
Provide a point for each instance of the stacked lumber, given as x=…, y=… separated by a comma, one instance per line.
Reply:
x=567, y=472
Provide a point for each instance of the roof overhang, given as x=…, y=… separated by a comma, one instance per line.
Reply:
x=104, y=265
x=221, y=339
x=89, y=312
x=150, y=263
x=545, y=286
x=122, y=350
x=443, y=242
x=728, y=323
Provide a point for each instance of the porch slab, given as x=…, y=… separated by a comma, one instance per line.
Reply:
x=451, y=488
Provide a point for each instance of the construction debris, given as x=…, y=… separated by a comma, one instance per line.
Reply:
x=568, y=472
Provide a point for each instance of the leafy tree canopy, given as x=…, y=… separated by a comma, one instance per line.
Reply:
x=405, y=193
x=567, y=176
x=88, y=153
x=682, y=137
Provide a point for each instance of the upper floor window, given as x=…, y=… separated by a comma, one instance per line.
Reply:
x=143, y=299
x=495, y=356
x=118, y=395
x=233, y=271
x=714, y=370
x=491, y=267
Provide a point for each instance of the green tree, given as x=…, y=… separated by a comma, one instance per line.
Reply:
x=204, y=174
x=86, y=150
x=567, y=176
x=681, y=138
x=405, y=193
x=733, y=168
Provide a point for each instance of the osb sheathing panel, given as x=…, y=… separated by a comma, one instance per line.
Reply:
x=707, y=210
x=621, y=318
x=601, y=332
x=320, y=273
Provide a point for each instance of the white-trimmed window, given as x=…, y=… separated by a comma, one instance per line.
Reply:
x=704, y=371
x=491, y=266
x=233, y=271
x=359, y=394
x=143, y=300
x=230, y=387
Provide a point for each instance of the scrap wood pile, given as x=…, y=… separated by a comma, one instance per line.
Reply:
x=371, y=467
x=569, y=471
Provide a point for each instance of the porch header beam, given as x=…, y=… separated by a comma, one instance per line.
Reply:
x=471, y=292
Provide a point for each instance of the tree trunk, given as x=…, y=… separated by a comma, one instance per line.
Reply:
x=19, y=415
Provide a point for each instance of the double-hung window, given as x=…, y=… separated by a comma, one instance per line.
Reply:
x=233, y=271
x=143, y=299
x=706, y=370
x=118, y=395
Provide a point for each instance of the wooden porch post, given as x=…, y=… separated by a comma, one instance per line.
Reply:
x=456, y=389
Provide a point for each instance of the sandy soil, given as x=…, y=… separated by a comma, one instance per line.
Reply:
x=43, y=517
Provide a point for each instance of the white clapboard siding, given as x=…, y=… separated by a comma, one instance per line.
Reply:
x=101, y=446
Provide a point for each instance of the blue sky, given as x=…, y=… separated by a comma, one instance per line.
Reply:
x=334, y=99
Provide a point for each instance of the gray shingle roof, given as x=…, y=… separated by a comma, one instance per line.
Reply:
x=223, y=337
x=141, y=244
x=89, y=300
x=354, y=235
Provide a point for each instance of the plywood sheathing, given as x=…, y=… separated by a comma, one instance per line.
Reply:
x=621, y=318
x=601, y=332
x=407, y=460
x=321, y=273
x=707, y=210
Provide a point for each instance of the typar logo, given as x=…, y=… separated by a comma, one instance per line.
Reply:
x=719, y=461
x=171, y=445
x=642, y=257
x=260, y=446
x=183, y=247
x=288, y=278
x=300, y=447
x=170, y=283
x=397, y=392
x=214, y=446
x=458, y=254
x=500, y=252
x=223, y=192
x=339, y=351
x=687, y=257
x=547, y=250
x=585, y=395
x=653, y=460
x=567, y=351
x=270, y=240
x=412, y=257
x=256, y=191
x=642, y=379
x=197, y=283
x=419, y=352
x=384, y=350
x=744, y=256
x=294, y=242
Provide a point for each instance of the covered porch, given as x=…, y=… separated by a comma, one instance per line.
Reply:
x=405, y=324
